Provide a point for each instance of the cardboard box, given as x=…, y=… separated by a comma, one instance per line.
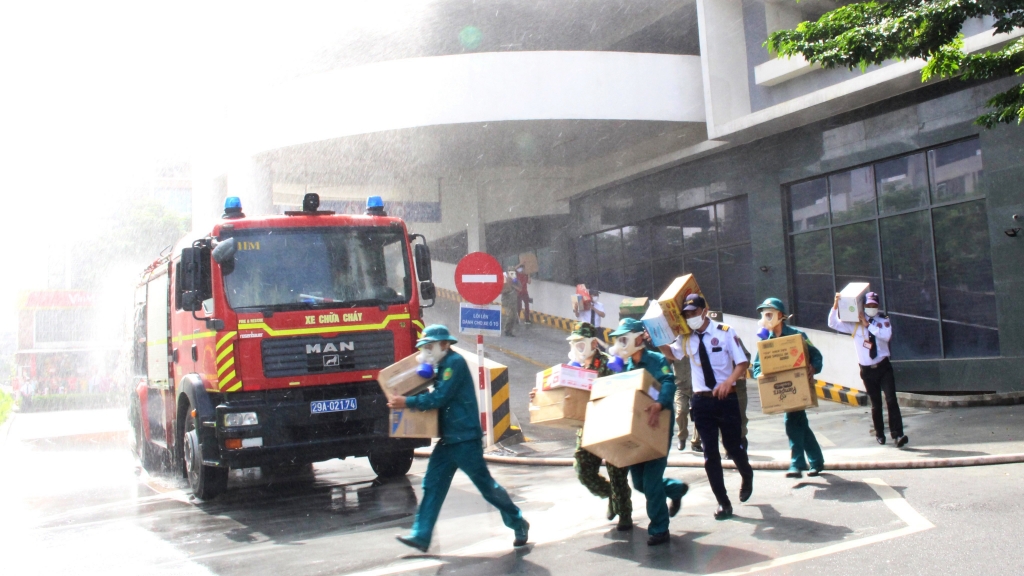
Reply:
x=671, y=301
x=409, y=423
x=782, y=354
x=658, y=327
x=787, y=391
x=559, y=408
x=401, y=379
x=851, y=301
x=565, y=376
x=633, y=307
x=616, y=429
x=581, y=290
x=634, y=380
x=528, y=260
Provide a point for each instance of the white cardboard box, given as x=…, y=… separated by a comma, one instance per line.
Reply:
x=657, y=325
x=565, y=376
x=851, y=301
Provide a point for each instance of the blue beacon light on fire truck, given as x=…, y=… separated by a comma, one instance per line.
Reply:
x=233, y=207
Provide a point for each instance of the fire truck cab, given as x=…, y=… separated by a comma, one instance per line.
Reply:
x=258, y=343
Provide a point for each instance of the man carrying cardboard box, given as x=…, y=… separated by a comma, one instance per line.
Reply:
x=717, y=361
x=871, y=336
x=798, y=429
x=584, y=352
x=649, y=477
x=460, y=446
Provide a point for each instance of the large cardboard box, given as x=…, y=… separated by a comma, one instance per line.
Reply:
x=787, y=391
x=528, y=260
x=565, y=376
x=616, y=429
x=657, y=326
x=401, y=379
x=633, y=307
x=851, y=301
x=559, y=408
x=409, y=423
x=781, y=354
x=671, y=301
x=634, y=380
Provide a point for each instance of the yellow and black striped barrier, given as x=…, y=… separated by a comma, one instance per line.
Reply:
x=840, y=394
x=505, y=426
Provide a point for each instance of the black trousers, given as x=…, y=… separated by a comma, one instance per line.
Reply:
x=879, y=380
x=711, y=416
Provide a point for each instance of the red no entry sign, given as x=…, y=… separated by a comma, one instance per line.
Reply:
x=478, y=278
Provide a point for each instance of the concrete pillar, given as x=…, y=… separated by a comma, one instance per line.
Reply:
x=723, y=54
x=252, y=181
x=475, y=224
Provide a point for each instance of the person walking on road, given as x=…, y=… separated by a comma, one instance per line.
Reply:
x=592, y=313
x=717, y=361
x=509, y=305
x=584, y=352
x=871, y=337
x=522, y=280
x=801, y=439
x=649, y=477
x=460, y=447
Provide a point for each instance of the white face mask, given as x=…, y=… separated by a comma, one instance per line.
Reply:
x=871, y=312
x=430, y=354
x=627, y=345
x=581, y=351
x=695, y=323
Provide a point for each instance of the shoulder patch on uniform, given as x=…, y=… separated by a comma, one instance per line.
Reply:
x=723, y=327
x=665, y=370
x=447, y=374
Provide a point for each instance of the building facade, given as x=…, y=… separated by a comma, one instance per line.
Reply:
x=667, y=141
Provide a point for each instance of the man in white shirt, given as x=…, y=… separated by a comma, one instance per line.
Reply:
x=717, y=361
x=871, y=338
x=594, y=313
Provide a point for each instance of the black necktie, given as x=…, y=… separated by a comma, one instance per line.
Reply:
x=873, y=353
x=705, y=363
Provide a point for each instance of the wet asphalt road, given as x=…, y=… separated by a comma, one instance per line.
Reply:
x=74, y=503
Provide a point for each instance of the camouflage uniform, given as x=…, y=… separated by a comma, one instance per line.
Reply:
x=588, y=467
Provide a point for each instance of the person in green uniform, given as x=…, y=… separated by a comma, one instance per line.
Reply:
x=649, y=477
x=460, y=447
x=585, y=352
x=798, y=429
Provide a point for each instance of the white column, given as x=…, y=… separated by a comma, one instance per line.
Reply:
x=252, y=181
x=723, y=54
x=475, y=224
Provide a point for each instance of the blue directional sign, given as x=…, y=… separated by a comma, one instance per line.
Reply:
x=484, y=320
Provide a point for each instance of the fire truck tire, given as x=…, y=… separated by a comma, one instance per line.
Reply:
x=391, y=464
x=206, y=482
x=140, y=446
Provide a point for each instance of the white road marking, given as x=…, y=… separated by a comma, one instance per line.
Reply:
x=915, y=523
x=480, y=278
x=823, y=441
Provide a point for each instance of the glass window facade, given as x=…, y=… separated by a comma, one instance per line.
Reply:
x=915, y=228
x=712, y=242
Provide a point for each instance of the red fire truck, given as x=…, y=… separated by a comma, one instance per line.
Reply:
x=258, y=343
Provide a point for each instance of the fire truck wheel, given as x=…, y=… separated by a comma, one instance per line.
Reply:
x=140, y=447
x=391, y=464
x=206, y=482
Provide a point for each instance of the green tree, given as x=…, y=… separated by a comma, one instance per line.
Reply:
x=865, y=33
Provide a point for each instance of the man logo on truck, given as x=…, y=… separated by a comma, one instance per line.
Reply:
x=342, y=347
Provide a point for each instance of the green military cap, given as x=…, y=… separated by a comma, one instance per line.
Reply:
x=774, y=303
x=582, y=330
x=435, y=333
x=628, y=325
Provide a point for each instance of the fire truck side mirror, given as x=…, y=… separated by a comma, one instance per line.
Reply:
x=224, y=251
x=191, y=279
x=423, y=268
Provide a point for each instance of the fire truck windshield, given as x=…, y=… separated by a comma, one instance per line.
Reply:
x=292, y=269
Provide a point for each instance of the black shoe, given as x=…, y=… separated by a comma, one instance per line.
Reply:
x=522, y=535
x=413, y=543
x=723, y=512
x=611, y=513
x=681, y=445
x=880, y=439
x=625, y=524
x=902, y=441
x=656, y=539
x=677, y=503
x=816, y=471
x=697, y=448
x=794, y=473
x=747, y=488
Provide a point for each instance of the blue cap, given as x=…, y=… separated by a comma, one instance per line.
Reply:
x=374, y=202
x=232, y=202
